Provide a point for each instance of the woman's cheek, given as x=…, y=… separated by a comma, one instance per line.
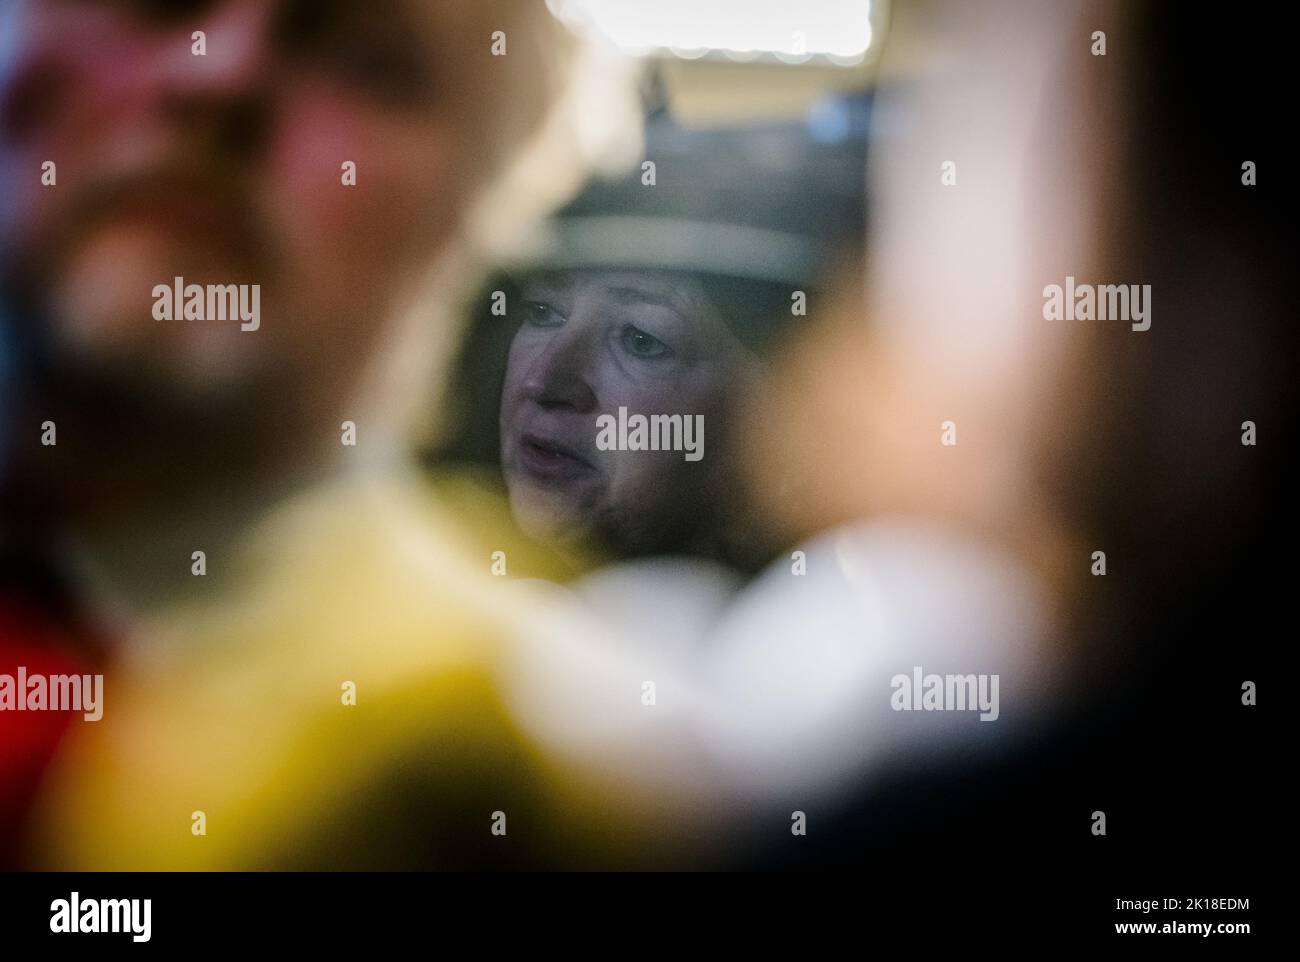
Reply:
x=651, y=393
x=523, y=353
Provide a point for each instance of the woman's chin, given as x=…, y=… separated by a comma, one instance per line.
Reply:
x=546, y=516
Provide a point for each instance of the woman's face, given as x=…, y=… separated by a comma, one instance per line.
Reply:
x=591, y=342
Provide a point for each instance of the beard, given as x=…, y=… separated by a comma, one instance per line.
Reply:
x=79, y=306
x=79, y=282
x=144, y=409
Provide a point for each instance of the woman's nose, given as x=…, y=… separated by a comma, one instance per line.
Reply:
x=561, y=375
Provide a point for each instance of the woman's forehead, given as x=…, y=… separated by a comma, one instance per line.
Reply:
x=672, y=289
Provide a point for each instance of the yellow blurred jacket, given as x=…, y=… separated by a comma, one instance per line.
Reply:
x=371, y=585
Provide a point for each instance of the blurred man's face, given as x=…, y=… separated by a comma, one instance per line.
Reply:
x=592, y=342
x=221, y=168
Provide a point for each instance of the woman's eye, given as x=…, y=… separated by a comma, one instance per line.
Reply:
x=540, y=314
x=642, y=345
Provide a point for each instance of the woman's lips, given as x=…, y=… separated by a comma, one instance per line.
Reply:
x=549, y=460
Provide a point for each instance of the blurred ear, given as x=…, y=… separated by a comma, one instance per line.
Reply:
x=558, y=104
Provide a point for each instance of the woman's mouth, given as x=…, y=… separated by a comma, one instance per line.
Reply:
x=546, y=459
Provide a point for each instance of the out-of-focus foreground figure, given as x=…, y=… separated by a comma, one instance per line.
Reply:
x=235, y=555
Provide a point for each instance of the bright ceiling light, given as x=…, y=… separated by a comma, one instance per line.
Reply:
x=791, y=30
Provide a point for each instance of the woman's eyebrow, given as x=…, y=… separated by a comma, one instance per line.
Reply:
x=639, y=295
x=536, y=289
